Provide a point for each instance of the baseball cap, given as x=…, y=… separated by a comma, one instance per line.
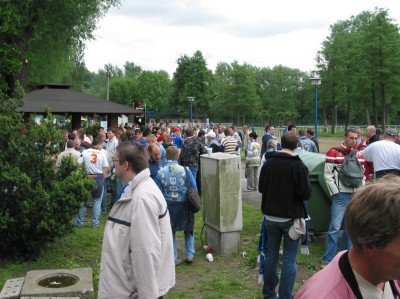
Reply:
x=211, y=134
x=175, y=130
x=391, y=132
x=298, y=228
x=211, y=123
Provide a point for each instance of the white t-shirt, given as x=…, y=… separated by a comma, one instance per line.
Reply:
x=94, y=161
x=384, y=154
x=112, y=147
x=369, y=291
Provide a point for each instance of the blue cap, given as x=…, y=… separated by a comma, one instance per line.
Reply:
x=211, y=123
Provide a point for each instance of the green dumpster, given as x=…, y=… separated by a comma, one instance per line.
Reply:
x=319, y=205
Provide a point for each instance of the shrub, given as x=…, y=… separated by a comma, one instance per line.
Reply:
x=37, y=203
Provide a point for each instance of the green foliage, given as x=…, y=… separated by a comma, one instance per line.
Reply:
x=192, y=78
x=359, y=63
x=154, y=88
x=123, y=90
x=37, y=203
x=46, y=35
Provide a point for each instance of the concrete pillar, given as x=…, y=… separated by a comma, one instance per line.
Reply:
x=222, y=201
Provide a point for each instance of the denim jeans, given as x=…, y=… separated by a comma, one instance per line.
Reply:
x=194, y=170
x=339, y=203
x=274, y=231
x=112, y=184
x=189, y=246
x=104, y=199
x=96, y=211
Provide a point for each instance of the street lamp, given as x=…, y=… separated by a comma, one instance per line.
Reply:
x=109, y=75
x=191, y=99
x=316, y=82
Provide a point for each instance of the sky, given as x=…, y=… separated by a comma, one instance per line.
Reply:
x=153, y=34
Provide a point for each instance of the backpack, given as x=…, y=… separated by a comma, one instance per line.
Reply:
x=352, y=173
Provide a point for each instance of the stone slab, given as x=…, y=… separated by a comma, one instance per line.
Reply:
x=82, y=289
x=12, y=288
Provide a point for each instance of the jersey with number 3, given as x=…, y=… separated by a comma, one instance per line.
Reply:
x=94, y=161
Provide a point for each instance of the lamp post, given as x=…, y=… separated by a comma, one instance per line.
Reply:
x=191, y=99
x=316, y=82
x=109, y=75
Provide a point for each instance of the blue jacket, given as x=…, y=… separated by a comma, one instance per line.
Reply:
x=171, y=180
x=308, y=145
x=154, y=168
x=177, y=140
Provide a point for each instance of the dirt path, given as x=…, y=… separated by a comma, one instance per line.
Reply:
x=325, y=143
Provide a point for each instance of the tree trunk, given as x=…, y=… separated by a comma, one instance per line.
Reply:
x=334, y=111
x=374, y=110
x=367, y=115
x=334, y=119
x=325, y=120
x=383, y=106
x=347, y=123
x=382, y=89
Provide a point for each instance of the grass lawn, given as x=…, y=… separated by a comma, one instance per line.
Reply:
x=232, y=276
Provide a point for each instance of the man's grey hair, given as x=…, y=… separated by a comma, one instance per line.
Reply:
x=371, y=129
x=373, y=214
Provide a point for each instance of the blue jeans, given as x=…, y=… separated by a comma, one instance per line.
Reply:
x=104, y=199
x=274, y=231
x=194, y=170
x=112, y=184
x=339, y=203
x=96, y=211
x=189, y=246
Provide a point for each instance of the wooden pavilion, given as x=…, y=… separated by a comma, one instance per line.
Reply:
x=61, y=99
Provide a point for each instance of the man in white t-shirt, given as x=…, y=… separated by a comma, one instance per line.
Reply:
x=69, y=152
x=384, y=154
x=97, y=167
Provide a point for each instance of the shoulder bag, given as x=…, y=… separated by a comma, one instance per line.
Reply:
x=192, y=196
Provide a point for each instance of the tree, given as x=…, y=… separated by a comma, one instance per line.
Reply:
x=42, y=35
x=154, y=89
x=192, y=78
x=243, y=98
x=359, y=63
x=131, y=70
x=123, y=90
x=265, y=116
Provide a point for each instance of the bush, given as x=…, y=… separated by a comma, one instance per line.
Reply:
x=38, y=203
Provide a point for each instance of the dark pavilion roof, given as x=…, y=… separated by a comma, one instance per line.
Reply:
x=61, y=99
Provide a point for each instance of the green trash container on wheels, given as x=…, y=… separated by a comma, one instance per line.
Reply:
x=319, y=205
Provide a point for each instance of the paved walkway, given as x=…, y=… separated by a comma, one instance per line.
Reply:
x=253, y=197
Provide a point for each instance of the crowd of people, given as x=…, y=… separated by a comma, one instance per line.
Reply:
x=142, y=175
x=362, y=176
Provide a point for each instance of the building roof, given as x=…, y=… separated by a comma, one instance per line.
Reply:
x=61, y=99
